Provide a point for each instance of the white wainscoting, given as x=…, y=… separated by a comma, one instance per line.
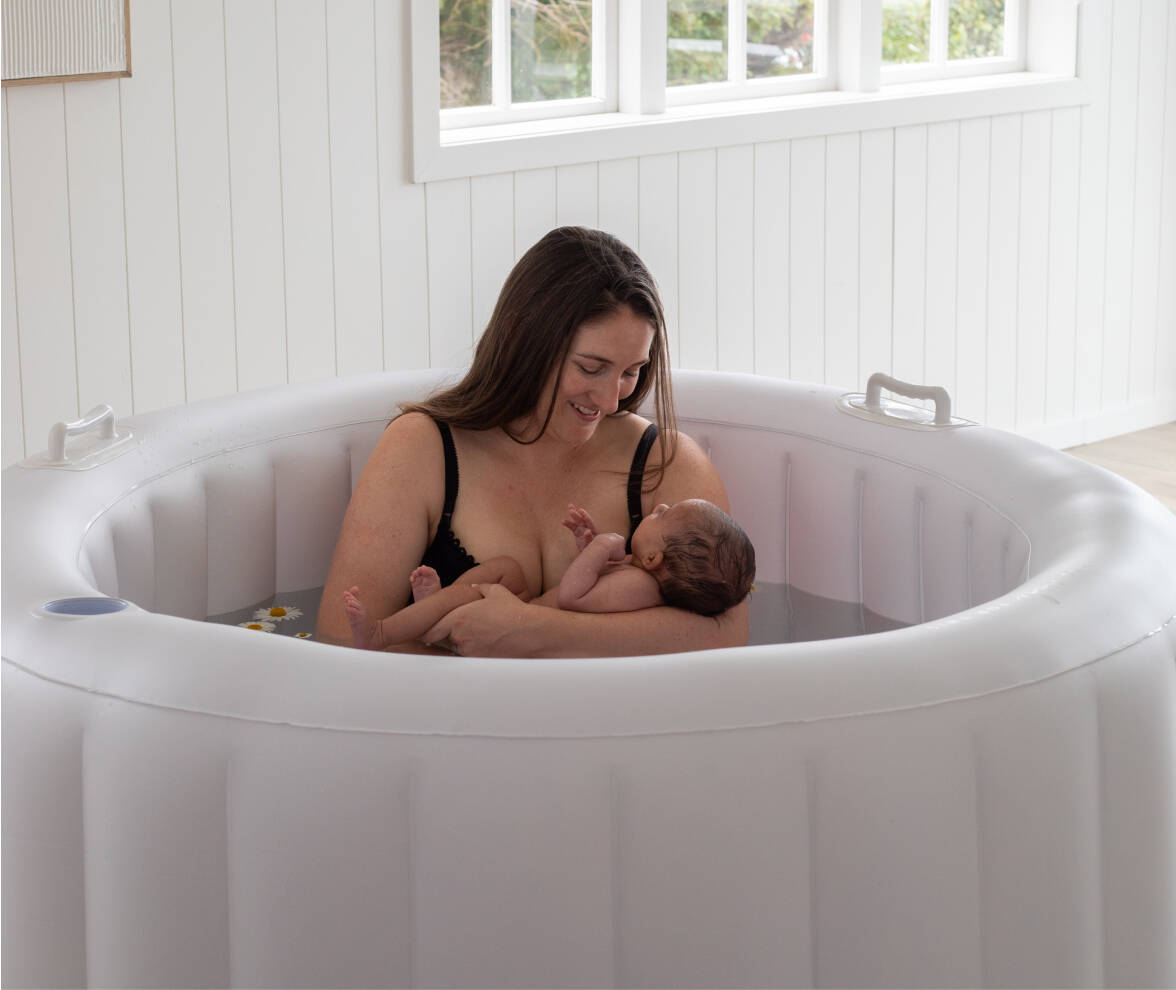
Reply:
x=239, y=214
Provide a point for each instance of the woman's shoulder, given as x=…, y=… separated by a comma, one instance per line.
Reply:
x=405, y=472
x=412, y=422
x=413, y=428
x=412, y=440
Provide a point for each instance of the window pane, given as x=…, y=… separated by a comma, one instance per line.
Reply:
x=975, y=28
x=779, y=37
x=550, y=49
x=465, y=53
x=906, y=30
x=696, y=50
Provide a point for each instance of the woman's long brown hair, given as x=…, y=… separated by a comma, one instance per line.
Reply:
x=570, y=277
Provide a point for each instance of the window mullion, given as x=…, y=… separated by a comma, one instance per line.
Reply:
x=938, y=32
x=603, y=61
x=736, y=42
x=642, y=56
x=859, y=45
x=500, y=54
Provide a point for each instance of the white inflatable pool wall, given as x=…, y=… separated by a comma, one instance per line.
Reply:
x=984, y=799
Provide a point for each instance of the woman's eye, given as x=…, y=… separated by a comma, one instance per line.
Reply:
x=590, y=371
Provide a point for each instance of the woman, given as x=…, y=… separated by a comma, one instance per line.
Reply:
x=543, y=418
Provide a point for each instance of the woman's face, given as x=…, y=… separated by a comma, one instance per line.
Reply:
x=602, y=368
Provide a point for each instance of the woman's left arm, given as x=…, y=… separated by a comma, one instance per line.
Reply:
x=501, y=625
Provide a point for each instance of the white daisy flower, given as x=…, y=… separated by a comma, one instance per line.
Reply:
x=277, y=613
x=303, y=635
x=258, y=625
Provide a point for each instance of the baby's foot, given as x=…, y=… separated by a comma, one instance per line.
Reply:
x=365, y=631
x=424, y=581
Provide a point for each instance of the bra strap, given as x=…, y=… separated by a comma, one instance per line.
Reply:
x=636, y=477
x=450, y=476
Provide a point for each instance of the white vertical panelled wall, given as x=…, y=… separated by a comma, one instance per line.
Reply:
x=239, y=213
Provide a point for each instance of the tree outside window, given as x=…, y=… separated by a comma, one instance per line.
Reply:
x=551, y=42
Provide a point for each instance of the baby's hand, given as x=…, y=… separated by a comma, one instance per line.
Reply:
x=581, y=525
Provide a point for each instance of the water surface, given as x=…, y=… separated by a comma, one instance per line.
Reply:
x=780, y=613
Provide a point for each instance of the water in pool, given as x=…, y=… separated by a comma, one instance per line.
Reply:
x=780, y=613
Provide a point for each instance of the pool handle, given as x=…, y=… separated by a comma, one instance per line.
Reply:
x=101, y=416
x=938, y=393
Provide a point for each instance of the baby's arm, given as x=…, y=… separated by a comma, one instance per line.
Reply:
x=587, y=588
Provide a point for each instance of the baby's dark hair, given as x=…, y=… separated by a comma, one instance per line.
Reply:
x=708, y=565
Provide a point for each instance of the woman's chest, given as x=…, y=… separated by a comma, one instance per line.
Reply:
x=521, y=514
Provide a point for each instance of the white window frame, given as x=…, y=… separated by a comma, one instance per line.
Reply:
x=938, y=66
x=644, y=124
x=738, y=87
x=502, y=110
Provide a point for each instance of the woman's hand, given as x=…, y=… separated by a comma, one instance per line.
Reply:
x=495, y=626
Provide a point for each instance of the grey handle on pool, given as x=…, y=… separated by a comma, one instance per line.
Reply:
x=938, y=393
x=101, y=416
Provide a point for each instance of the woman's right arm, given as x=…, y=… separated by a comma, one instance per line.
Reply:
x=387, y=526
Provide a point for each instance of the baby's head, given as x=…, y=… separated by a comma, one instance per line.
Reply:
x=700, y=557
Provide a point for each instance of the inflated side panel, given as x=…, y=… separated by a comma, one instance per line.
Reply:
x=639, y=862
x=155, y=848
x=284, y=501
x=240, y=497
x=293, y=822
x=1137, y=753
x=311, y=490
x=180, y=535
x=854, y=526
x=44, y=864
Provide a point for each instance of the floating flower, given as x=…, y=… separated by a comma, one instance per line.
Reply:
x=277, y=613
x=303, y=635
x=259, y=626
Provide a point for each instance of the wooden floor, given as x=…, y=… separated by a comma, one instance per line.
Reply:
x=1147, y=458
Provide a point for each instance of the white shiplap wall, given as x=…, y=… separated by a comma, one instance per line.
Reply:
x=239, y=214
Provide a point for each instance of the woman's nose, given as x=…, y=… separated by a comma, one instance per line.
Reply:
x=609, y=395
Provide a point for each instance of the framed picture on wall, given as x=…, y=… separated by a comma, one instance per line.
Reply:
x=49, y=41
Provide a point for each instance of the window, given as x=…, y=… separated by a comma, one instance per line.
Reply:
x=523, y=60
x=742, y=49
x=936, y=39
x=501, y=85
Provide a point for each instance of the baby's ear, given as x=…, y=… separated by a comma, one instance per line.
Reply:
x=652, y=560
